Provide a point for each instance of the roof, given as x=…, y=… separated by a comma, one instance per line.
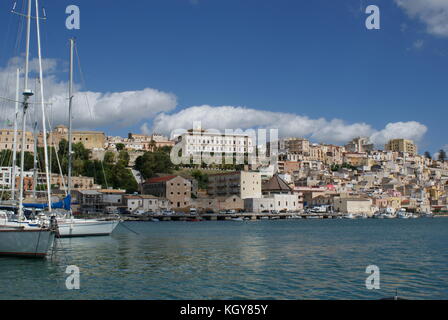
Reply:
x=276, y=184
x=112, y=191
x=142, y=196
x=160, y=179
x=90, y=192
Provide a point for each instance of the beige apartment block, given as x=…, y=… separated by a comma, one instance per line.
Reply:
x=401, y=145
x=7, y=140
x=245, y=184
x=174, y=188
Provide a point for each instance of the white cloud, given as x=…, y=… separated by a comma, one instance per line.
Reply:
x=409, y=130
x=433, y=13
x=90, y=109
x=289, y=124
x=124, y=109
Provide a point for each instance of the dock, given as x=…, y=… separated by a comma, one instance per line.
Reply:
x=230, y=216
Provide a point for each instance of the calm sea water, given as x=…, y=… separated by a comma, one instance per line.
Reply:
x=280, y=259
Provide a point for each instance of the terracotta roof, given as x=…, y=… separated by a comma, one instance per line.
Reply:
x=160, y=179
x=276, y=184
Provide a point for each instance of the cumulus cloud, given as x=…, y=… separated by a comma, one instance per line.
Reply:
x=409, y=130
x=289, y=124
x=433, y=13
x=124, y=109
x=90, y=109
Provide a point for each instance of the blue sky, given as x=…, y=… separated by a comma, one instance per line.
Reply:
x=314, y=59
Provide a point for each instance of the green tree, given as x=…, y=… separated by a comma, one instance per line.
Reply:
x=151, y=163
x=120, y=146
x=28, y=161
x=5, y=158
x=123, y=158
x=201, y=178
x=109, y=158
x=427, y=155
x=122, y=178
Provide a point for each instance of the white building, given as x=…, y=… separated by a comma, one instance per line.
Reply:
x=6, y=177
x=275, y=202
x=197, y=142
x=146, y=203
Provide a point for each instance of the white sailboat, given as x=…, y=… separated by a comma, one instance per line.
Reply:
x=68, y=225
x=17, y=236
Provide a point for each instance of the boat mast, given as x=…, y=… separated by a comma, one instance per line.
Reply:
x=27, y=93
x=35, y=159
x=70, y=100
x=44, y=127
x=14, y=151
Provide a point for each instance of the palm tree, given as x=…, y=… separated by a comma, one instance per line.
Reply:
x=428, y=155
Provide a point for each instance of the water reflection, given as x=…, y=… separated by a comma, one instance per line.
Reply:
x=316, y=259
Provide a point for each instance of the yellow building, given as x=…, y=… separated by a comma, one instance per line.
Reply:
x=401, y=145
x=356, y=159
x=92, y=140
x=7, y=140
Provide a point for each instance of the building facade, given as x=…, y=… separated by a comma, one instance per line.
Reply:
x=145, y=203
x=401, y=145
x=174, y=188
x=245, y=184
x=7, y=140
x=92, y=140
x=196, y=142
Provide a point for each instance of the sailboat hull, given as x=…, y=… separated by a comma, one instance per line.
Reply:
x=25, y=243
x=86, y=228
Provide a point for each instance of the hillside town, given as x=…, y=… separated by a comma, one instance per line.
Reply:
x=356, y=178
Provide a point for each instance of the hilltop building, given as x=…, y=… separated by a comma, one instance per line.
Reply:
x=7, y=140
x=92, y=140
x=401, y=145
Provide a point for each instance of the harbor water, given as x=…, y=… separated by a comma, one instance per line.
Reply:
x=278, y=259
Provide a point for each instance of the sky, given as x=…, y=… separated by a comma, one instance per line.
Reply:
x=308, y=68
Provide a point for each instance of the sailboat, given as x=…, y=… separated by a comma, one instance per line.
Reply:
x=67, y=224
x=19, y=237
